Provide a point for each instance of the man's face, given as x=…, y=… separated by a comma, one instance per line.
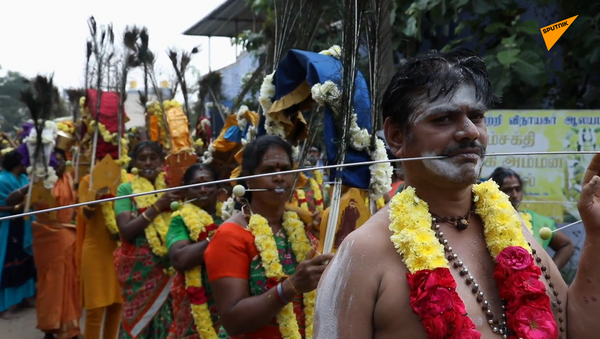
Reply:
x=513, y=188
x=452, y=126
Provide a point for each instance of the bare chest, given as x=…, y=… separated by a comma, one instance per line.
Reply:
x=473, y=271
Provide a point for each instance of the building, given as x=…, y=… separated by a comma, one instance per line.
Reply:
x=134, y=109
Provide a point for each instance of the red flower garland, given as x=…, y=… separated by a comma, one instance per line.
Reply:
x=434, y=299
x=528, y=312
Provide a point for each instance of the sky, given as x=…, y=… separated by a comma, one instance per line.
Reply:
x=45, y=37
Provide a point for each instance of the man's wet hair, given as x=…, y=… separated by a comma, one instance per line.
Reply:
x=428, y=77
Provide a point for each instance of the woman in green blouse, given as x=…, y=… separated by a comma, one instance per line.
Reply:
x=187, y=253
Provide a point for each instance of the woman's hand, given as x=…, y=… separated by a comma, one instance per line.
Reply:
x=313, y=227
x=308, y=273
x=164, y=202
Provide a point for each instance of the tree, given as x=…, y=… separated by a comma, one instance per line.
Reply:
x=522, y=71
x=12, y=111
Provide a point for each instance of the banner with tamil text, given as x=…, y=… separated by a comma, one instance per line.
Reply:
x=552, y=183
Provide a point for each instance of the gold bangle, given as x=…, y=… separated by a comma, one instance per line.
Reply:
x=293, y=287
x=146, y=217
x=156, y=207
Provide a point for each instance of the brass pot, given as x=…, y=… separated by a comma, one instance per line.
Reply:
x=65, y=141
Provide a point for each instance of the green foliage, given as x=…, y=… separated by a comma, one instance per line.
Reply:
x=518, y=62
x=522, y=71
x=12, y=111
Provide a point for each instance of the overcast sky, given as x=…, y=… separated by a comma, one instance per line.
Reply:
x=44, y=37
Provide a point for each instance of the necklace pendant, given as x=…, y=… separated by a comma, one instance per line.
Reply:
x=462, y=224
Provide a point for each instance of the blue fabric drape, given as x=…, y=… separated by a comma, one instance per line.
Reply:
x=299, y=66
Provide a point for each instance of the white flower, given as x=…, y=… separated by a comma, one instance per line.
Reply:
x=240, y=117
x=267, y=91
x=335, y=51
x=228, y=208
x=295, y=152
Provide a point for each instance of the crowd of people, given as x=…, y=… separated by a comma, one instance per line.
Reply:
x=450, y=255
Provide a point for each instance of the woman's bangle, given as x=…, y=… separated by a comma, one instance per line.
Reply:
x=207, y=239
x=146, y=217
x=293, y=287
x=281, y=296
x=156, y=207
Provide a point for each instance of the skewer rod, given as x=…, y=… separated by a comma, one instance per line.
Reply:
x=222, y=181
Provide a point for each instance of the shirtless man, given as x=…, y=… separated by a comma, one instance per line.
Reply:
x=435, y=105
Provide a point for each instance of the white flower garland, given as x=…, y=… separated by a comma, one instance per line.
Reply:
x=49, y=134
x=360, y=139
x=267, y=91
x=228, y=208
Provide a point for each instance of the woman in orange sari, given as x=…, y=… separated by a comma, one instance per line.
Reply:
x=261, y=264
x=58, y=303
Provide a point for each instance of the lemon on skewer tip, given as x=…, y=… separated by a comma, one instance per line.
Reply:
x=239, y=191
x=545, y=233
x=175, y=205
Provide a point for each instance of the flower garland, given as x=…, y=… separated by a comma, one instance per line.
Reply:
x=219, y=209
x=227, y=208
x=301, y=199
x=265, y=243
x=65, y=127
x=360, y=139
x=528, y=313
x=124, y=158
x=156, y=232
x=201, y=225
x=267, y=91
x=108, y=211
x=155, y=109
x=107, y=136
x=41, y=168
x=316, y=188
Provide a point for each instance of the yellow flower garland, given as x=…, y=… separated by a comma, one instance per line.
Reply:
x=196, y=220
x=109, y=213
x=301, y=199
x=527, y=219
x=314, y=185
x=160, y=224
x=265, y=243
x=104, y=132
x=219, y=209
x=410, y=221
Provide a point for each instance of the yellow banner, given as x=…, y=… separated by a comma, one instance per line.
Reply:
x=552, y=184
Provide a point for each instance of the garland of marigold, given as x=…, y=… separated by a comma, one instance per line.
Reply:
x=301, y=199
x=109, y=213
x=201, y=225
x=265, y=243
x=316, y=188
x=422, y=253
x=156, y=232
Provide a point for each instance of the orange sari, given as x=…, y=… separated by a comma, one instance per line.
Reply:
x=54, y=249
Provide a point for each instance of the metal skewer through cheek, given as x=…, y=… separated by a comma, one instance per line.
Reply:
x=216, y=182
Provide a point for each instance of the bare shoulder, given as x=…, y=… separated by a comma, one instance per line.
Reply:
x=363, y=285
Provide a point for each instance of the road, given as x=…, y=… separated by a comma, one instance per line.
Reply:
x=23, y=327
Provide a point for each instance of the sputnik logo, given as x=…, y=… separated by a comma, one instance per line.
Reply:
x=552, y=33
